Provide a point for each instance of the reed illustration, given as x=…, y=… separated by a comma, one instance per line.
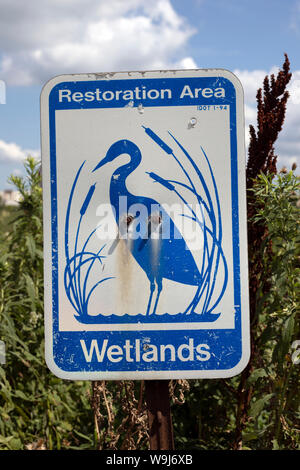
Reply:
x=209, y=274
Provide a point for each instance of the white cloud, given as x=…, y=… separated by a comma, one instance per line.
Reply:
x=186, y=63
x=12, y=152
x=59, y=36
x=51, y=37
x=251, y=81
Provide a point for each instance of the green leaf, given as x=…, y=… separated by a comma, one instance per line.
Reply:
x=288, y=331
x=258, y=406
x=257, y=374
x=275, y=444
x=283, y=345
x=15, y=444
x=250, y=436
x=20, y=394
x=30, y=289
x=83, y=436
x=66, y=426
x=30, y=244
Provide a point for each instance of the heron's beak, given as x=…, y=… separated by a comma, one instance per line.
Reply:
x=102, y=162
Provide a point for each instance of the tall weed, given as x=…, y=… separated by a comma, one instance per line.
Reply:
x=37, y=410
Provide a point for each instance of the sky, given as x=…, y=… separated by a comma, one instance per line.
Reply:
x=40, y=39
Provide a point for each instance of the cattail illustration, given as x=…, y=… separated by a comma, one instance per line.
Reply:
x=158, y=140
x=209, y=222
x=209, y=274
x=80, y=264
x=162, y=181
x=87, y=199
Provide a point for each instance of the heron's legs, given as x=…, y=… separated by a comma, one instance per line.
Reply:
x=159, y=289
x=152, y=289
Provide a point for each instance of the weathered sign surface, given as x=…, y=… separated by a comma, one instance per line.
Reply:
x=145, y=225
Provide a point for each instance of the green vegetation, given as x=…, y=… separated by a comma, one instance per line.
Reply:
x=259, y=409
x=210, y=417
x=38, y=410
x=7, y=214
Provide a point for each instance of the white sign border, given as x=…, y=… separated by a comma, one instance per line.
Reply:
x=245, y=322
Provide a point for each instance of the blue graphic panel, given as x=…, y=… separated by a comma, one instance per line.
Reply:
x=154, y=350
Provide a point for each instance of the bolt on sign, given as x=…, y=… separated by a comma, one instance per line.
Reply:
x=145, y=225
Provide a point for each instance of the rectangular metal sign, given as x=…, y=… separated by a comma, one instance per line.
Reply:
x=145, y=239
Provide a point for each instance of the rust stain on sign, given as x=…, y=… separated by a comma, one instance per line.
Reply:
x=125, y=267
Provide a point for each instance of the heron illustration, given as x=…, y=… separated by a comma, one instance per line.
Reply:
x=162, y=258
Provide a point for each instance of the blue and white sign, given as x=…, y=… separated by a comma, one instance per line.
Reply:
x=145, y=225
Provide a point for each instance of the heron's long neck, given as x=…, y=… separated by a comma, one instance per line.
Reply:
x=118, y=180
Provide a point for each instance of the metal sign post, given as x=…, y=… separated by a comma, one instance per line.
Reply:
x=145, y=225
x=159, y=415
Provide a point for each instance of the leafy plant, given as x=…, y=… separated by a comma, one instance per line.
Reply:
x=257, y=410
x=278, y=309
x=210, y=417
x=37, y=410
